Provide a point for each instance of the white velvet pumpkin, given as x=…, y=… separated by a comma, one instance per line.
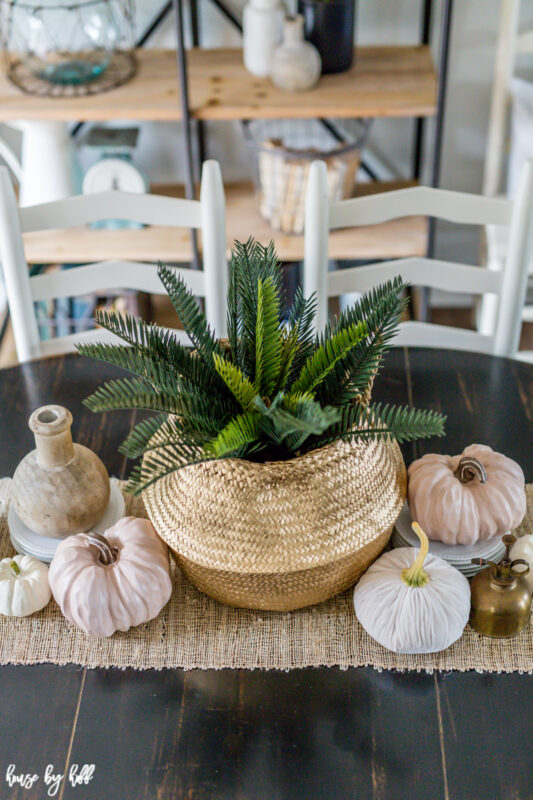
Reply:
x=523, y=548
x=24, y=587
x=412, y=602
x=468, y=498
x=113, y=582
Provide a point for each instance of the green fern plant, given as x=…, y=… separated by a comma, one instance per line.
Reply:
x=271, y=391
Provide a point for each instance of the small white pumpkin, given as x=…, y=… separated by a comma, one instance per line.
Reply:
x=111, y=583
x=24, y=586
x=413, y=607
x=523, y=548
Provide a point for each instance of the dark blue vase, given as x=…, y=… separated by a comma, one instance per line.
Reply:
x=329, y=25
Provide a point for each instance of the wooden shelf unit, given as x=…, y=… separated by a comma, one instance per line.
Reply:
x=395, y=81
x=395, y=239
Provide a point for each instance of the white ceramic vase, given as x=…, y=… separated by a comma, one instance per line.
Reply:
x=262, y=32
x=296, y=64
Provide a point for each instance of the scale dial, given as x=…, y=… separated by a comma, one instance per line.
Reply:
x=114, y=173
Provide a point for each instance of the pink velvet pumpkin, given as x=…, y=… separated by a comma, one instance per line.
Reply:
x=467, y=498
x=113, y=582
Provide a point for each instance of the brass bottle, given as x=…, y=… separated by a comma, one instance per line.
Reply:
x=501, y=598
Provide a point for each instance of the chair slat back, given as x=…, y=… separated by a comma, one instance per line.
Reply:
x=459, y=207
x=144, y=209
x=105, y=275
x=206, y=214
x=510, y=284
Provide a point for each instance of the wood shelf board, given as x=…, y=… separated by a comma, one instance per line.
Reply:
x=395, y=81
x=396, y=239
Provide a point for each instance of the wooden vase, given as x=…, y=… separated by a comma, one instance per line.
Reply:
x=59, y=488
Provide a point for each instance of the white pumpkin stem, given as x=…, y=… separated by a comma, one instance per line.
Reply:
x=415, y=575
x=15, y=567
x=106, y=554
x=469, y=468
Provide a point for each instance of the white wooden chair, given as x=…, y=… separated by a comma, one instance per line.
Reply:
x=511, y=44
x=207, y=214
x=510, y=283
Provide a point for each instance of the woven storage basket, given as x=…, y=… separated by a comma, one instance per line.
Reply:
x=281, y=535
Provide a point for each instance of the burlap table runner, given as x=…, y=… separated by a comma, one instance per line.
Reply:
x=194, y=631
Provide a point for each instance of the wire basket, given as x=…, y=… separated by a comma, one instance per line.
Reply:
x=70, y=48
x=282, y=152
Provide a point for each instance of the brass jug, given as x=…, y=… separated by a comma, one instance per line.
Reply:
x=501, y=598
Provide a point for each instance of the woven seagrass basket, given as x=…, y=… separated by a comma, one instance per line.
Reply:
x=281, y=535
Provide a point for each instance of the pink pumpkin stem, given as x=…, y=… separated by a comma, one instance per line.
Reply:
x=107, y=555
x=469, y=468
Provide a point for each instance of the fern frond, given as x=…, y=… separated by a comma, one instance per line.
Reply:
x=405, y=424
x=381, y=311
x=202, y=417
x=130, y=393
x=233, y=316
x=151, y=344
x=160, y=463
x=142, y=435
x=301, y=318
x=192, y=319
x=139, y=363
x=241, y=388
x=379, y=421
x=306, y=418
x=251, y=262
x=239, y=432
x=327, y=356
x=267, y=338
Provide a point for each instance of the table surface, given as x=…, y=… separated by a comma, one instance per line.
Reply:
x=256, y=735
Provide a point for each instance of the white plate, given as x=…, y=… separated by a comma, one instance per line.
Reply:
x=26, y=542
x=451, y=555
x=458, y=555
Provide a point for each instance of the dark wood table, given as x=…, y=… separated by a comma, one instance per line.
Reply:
x=313, y=734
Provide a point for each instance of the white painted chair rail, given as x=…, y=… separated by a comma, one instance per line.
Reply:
x=146, y=209
x=105, y=275
x=460, y=207
x=207, y=214
x=509, y=285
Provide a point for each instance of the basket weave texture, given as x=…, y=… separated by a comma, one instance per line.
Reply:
x=281, y=535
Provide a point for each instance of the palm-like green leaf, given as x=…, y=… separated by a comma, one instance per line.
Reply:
x=151, y=349
x=164, y=461
x=130, y=393
x=240, y=432
x=268, y=341
x=191, y=317
x=240, y=387
x=306, y=418
x=380, y=310
x=143, y=434
x=402, y=423
x=300, y=324
x=327, y=356
x=251, y=262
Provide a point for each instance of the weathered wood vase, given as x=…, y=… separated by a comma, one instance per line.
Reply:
x=60, y=487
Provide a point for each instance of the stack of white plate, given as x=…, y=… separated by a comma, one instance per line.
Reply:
x=458, y=555
x=28, y=543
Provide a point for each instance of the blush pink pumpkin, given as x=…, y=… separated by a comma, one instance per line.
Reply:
x=467, y=498
x=113, y=582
